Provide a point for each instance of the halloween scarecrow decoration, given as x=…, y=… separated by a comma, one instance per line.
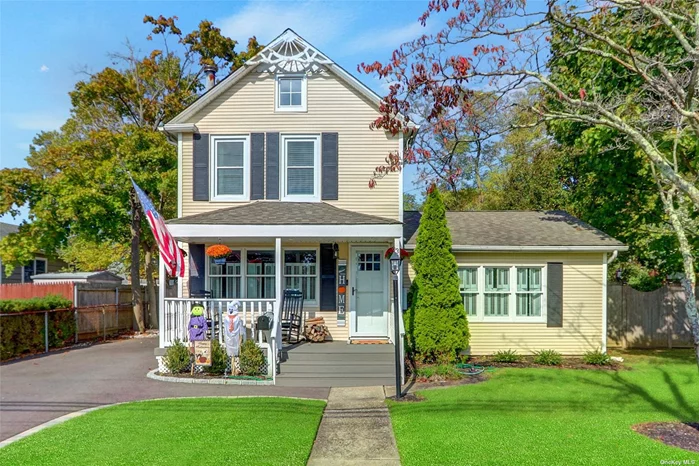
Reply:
x=197, y=323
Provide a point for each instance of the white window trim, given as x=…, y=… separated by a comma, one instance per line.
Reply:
x=512, y=316
x=243, y=271
x=316, y=168
x=246, y=168
x=314, y=302
x=304, y=94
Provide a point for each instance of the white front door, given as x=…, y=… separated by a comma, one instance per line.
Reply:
x=370, y=294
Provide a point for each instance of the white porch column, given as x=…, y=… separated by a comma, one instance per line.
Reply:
x=162, y=283
x=278, y=264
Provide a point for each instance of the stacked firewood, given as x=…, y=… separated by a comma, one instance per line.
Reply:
x=315, y=329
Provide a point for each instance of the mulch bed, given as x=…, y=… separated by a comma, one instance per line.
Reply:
x=683, y=435
x=567, y=363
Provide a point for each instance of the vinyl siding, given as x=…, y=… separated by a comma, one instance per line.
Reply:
x=582, y=306
x=248, y=106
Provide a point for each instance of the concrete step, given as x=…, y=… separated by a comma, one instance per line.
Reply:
x=310, y=380
x=328, y=367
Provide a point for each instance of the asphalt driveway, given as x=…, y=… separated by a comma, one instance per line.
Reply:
x=36, y=390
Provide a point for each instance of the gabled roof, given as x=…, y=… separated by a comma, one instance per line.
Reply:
x=282, y=213
x=517, y=231
x=82, y=277
x=288, y=51
x=7, y=228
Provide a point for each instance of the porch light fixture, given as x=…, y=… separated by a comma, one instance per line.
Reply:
x=395, y=270
x=336, y=250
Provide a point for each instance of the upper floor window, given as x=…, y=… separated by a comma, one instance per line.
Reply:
x=301, y=168
x=230, y=157
x=35, y=267
x=291, y=93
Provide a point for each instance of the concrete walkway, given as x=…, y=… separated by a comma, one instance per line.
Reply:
x=37, y=390
x=355, y=430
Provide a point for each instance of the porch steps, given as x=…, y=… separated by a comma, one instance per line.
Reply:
x=336, y=364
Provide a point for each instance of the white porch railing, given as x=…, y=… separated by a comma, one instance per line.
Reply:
x=177, y=312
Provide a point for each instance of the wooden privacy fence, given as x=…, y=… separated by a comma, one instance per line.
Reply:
x=36, y=290
x=654, y=319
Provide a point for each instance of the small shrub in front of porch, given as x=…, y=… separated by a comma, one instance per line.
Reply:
x=219, y=359
x=436, y=322
x=252, y=359
x=178, y=358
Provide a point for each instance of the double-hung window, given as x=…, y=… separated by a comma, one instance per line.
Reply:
x=260, y=274
x=291, y=93
x=230, y=167
x=301, y=168
x=529, y=291
x=35, y=267
x=301, y=272
x=468, y=277
x=225, y=279
x=497, y=292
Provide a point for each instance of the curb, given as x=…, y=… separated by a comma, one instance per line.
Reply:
x=69, y=416
x=164, y=378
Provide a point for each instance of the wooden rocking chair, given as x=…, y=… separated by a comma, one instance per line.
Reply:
x=292, y=315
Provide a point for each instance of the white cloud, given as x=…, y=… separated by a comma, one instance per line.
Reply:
x=385, y=39
x=36, y=121
x=318, y=22
x=44, y=68
x=23, y=146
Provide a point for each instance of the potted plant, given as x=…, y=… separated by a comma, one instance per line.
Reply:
x=219, y=253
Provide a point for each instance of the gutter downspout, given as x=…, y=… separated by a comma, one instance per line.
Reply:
x=605, y=266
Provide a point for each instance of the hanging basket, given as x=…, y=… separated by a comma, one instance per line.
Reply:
x=218, y=252
x=401, y=252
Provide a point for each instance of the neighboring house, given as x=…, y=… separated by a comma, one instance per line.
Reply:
x=274, y=162
x=40, y=264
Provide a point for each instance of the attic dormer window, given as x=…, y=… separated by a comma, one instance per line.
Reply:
x=291, y=93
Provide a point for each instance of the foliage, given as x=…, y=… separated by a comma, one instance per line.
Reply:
x=134, y=433
x=597, y=357
x=411, y=203
x=218, y=250
x=443, y=371
x=636, y=276
x=177, y=358
x=438, y=329
x=83, y=254
x=22, y=334
x=548, y=357
x=560, y=416
x=252, y=359
x=219, y=359
x=507, y=356
x=35, y=304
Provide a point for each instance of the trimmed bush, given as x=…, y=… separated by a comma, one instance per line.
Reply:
x=219, y=359
x=177, y=358
x=437, y=324
x=548, y=357
x=507, y=356
x=24, y=334
x=252, y=359
x=597, y=357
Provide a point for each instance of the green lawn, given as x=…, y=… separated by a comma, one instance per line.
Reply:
x=179, y=431
x=551, y=416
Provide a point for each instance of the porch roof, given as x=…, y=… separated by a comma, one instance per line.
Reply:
x=282, y=213
x=270, y=219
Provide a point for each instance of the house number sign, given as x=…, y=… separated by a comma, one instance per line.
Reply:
x=341, y=292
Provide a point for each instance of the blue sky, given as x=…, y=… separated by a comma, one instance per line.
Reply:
x=45, y=45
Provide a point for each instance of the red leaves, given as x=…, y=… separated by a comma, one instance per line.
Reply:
x=372, y=183
x=582, y=93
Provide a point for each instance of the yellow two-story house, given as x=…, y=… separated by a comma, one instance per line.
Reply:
x=274, y=162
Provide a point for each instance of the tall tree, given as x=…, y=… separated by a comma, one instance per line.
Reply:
x=505, y=46
x=77, y=184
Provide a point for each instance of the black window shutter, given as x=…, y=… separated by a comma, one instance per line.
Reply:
x=257, y=166
x=200, y=175
x=272, y=184
x=327, y=278
x=554, y=294
x=197, y=284
x=329, y=171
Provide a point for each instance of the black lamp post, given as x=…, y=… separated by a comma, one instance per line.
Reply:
x=395, y=270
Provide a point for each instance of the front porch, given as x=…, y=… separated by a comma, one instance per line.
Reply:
x=339, y=266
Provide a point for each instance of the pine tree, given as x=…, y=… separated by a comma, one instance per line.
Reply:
x=438, y=325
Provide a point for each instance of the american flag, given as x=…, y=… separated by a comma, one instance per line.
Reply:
x=169, y=251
